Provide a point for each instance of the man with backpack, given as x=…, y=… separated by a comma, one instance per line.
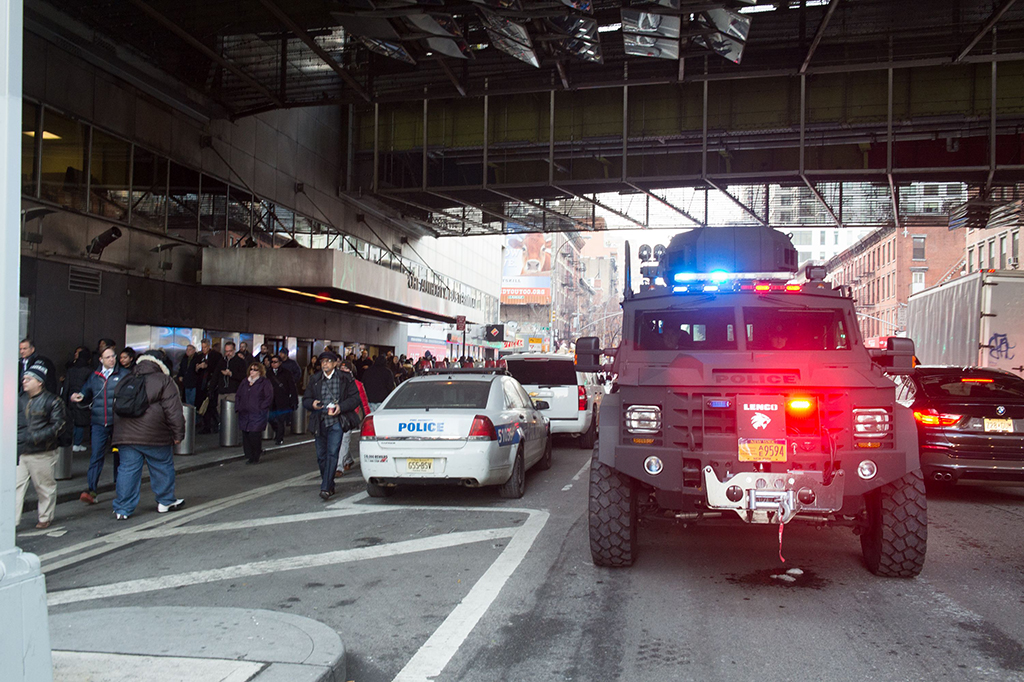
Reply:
x=42, y=426
x=99, y=389
x=148, y=423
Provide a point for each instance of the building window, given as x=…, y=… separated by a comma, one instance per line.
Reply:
x=804, y=256
x=917, y=282
x=1015, y=245
x=108, y=172
x=835, y=237
x=970, y=260
x=149, y=191
x=29, y=139
x=1002, y=253
x=981, y=256
x=992, y=254
x=822, y=238
x=918, y=248
x=65, y=149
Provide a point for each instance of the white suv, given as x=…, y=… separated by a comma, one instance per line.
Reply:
x=573, y=396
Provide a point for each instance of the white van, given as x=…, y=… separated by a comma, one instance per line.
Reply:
x=573, y=396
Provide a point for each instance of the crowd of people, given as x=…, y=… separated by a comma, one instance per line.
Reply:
x=146, y=421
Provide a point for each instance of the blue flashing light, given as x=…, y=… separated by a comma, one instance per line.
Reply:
x=680, y=290
x=682, y=276
x=718, y=276
x=719, y=404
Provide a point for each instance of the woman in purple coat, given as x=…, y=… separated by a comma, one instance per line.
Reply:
x=252, y=403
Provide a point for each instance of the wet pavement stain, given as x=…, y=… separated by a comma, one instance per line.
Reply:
x=764, y=578
x=996, y=645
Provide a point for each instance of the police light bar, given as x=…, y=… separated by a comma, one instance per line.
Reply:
x=702, y=287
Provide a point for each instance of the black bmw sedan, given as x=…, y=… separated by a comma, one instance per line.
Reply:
x=970, y=422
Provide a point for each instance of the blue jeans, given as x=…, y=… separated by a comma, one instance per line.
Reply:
x=327, y=447
x=160, y=460
x=79, y=434
x=100, y=437
x=190, y=396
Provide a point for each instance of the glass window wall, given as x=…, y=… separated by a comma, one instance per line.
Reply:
x=183, y=203
x=29, y=140
x=63, y=159
x=108, y=176
x=149, y=190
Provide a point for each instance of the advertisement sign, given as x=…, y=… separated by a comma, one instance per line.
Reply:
x=526, y=270
x=536, y=344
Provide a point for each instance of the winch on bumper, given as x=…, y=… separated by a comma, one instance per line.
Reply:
x=760, y=497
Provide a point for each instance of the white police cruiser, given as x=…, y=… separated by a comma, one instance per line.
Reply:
x=462, y=427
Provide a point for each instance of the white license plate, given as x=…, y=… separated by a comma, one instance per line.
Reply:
x=1003, y=425
x=419, y=466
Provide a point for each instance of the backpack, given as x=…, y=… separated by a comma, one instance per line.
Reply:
x=130, y=399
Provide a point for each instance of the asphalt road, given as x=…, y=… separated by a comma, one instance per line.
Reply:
x=462, y=585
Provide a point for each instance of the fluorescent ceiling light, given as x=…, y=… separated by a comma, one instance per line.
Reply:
x=609, y=28
x=47, y=135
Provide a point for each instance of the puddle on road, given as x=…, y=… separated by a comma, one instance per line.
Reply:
x=781, y=577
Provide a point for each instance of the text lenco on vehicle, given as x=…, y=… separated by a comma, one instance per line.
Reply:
x=740, y=394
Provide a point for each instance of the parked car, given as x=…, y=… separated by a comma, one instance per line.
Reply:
x=458, y=426
x=573, y=396
x=970, y=422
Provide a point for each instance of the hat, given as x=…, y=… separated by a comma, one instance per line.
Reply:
x=37, y=371
x=328, y=355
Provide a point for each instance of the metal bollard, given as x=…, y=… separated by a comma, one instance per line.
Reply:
x=230, y=436
x=299, y=419
x=62, y=469
x=187, y=446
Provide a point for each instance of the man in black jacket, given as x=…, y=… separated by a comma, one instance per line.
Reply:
x=41, y=420
x=234, y=370
x=208, y=381
x=29, y=357
x=329, y=396
x=378, y=382
x=286, y=397
x=188, y=379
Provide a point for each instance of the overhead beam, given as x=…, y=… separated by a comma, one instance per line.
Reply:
x=992, y=20
x=430, y=210
x=597, y=203
x=196, y=44
x=818, y=35
x=895, y=198
x=452, y=77
x=821, y=200
x=541, y=207
x=497, y=214
x=562, y=75
x=763, y=221
x=667, y=203
x=312, y=45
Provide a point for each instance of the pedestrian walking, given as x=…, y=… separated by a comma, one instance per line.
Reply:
x=378, y=381
x=290, y=366
x=188, y=378
x=330, y=396
x=208, y=380
x=345, y=458
x=148, y=437
x=76, y=374
x=234, y=370
x=363, y=363
x=42, y=420
x=253, y=399
x=29, y=357
x=286, y=398
x=98, y=392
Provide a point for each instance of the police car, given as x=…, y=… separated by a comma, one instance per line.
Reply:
x=461, y=427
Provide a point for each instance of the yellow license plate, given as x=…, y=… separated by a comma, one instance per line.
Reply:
x=1005, y=425
x=762, y=450
x=420, y=465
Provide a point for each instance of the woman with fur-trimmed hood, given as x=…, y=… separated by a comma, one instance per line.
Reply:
x=149, y=438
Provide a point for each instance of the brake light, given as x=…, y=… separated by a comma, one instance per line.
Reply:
x=583, y=398
x=368, y=432
x=976, y=380
x=935, y=418
x=799, y=404
x=482, y=429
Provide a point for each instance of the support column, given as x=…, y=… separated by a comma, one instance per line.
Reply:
x=24, y=632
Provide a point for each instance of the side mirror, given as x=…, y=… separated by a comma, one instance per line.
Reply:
x=541, y=405
x=897, y=357
x=588, y=354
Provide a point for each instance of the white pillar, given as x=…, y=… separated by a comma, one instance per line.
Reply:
x=24, y=633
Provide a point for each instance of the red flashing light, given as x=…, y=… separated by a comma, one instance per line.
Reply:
x=800, y=404
x=933, y=418
x=368, y=431
x=976, y=380
x=583, y=398
x=746, y=287
x=482, y=428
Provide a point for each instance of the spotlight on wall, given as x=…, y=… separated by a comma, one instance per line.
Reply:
x=101, y=242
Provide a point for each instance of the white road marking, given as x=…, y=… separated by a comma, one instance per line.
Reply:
x=439, y=649
x=254, y=568
x=575, y=478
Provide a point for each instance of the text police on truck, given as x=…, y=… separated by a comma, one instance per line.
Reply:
x=741, y=394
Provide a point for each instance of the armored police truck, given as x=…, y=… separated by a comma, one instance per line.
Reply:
x=744, y=393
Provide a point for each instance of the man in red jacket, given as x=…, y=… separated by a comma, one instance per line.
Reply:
x=149, y=438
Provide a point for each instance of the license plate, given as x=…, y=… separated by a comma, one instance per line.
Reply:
x=420, y=465
x=1005, y=425
x=762, y=449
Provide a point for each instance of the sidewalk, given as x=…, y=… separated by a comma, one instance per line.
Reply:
x=208, y=453
x=193, y=644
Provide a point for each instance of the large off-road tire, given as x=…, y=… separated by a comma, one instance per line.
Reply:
x=896, y=537
x=515, y=486
x=613, y=516
x=545, y=461
x=588, y=438
x=374, y=490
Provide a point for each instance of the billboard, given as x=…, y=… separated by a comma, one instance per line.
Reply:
x=526, y=270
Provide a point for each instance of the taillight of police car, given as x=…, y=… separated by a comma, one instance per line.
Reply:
x=482, y=429
x=368, y=432
x=643, y=419
x=931, y=417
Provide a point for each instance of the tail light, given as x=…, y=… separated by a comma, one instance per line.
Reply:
x=583, y=398
x=482, y=429
x=936, y=418
x=802, y=416
x=368, y=432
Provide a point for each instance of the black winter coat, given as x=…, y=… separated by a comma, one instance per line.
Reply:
x=349, y=402
x=40, y=420
x=378, y=381
x=286, y=396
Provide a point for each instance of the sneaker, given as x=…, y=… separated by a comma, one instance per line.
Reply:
x=164, y=508
x=78, y=448
x=120, y=517
x=89, y=497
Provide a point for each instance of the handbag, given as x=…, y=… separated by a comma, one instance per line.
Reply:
x=205, y=406
x=350, y=421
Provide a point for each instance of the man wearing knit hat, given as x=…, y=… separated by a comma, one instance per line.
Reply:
x=329, y=395
x=41, y=420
